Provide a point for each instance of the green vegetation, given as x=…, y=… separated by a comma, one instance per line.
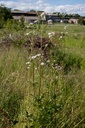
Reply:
x=5, y=14
x=81, y=21
x=42, y=79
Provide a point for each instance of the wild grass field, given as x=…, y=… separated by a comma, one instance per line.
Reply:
x=42, y=77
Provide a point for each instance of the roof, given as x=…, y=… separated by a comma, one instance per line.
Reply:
x=32, y=13
x=13, y=11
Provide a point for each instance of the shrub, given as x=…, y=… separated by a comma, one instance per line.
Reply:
x=14, y=25
x=81, y=21
x=1, y=22
x=67, y=60
x=5, y=14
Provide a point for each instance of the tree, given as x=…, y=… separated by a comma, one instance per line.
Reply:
x=81, y=21
x=5, y=14
x=32, y=10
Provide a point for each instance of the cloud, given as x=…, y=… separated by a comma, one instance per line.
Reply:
x=43, y=6
x=77, y=9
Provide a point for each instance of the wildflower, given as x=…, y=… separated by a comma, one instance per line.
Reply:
x=38, y=55
x=35, y=68
x=53, y=33
x=66, y=33
x=10, y=35
x=36, y=21
x=49, y=33
x=59, y=67
x=65, y=27
x=28, y=62
x=46, y=45
x=27, y=26
x=50, y=36
x=56, y=77
x=60, y=37
x=27, y=34
x=55, y=44
x=61, y=32
x=42, y=64
x=33, y=57
x=30, y=24
x=48, y=61
x=54, y=60
x=28, y=67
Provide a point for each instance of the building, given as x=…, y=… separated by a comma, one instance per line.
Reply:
x=73, y=21
x=31, y=17
x=28, y=16
x=56, y=18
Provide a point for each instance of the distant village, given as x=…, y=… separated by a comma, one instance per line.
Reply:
x=50, y=18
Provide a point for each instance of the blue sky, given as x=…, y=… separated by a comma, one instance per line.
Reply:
x=64, y=2
x=68, y=6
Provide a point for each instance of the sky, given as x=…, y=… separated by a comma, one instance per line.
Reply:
x=66, y=6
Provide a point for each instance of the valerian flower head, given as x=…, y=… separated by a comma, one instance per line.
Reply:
x=51, y=34
x=28, y=62
x=42, y=64
x=34, y=57
x=60, y=37
x=48, y=61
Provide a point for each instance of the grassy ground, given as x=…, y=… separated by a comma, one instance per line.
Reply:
x=43, y=92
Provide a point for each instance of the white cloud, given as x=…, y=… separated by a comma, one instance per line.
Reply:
x=42, y=5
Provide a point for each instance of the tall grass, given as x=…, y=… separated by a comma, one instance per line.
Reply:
x=43, y=92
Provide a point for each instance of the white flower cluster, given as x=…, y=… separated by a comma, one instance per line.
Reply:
x=32, y=58
x=35, y=56
x=51, y=34
x=30, y=24
x=27, y=34
x=60, y=37
x=36, y=21
x=42, y=64
x=65, y=27
x=56, y=66
x=10, y=35
x=31, y=32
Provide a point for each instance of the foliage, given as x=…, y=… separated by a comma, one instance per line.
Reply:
x=67, y=60
x=22, y=25
x=81, y=21
x=14, y=25
x=1, y=22
x=5, y=14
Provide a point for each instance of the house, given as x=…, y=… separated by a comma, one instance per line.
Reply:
x=28, y=16
x=73, y=21
x=56, y=18
x=31, y=17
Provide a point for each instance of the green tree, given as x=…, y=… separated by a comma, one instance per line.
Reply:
x=81, y=21
x=5, y=14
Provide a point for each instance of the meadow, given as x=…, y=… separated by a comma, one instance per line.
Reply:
x=42, y=77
